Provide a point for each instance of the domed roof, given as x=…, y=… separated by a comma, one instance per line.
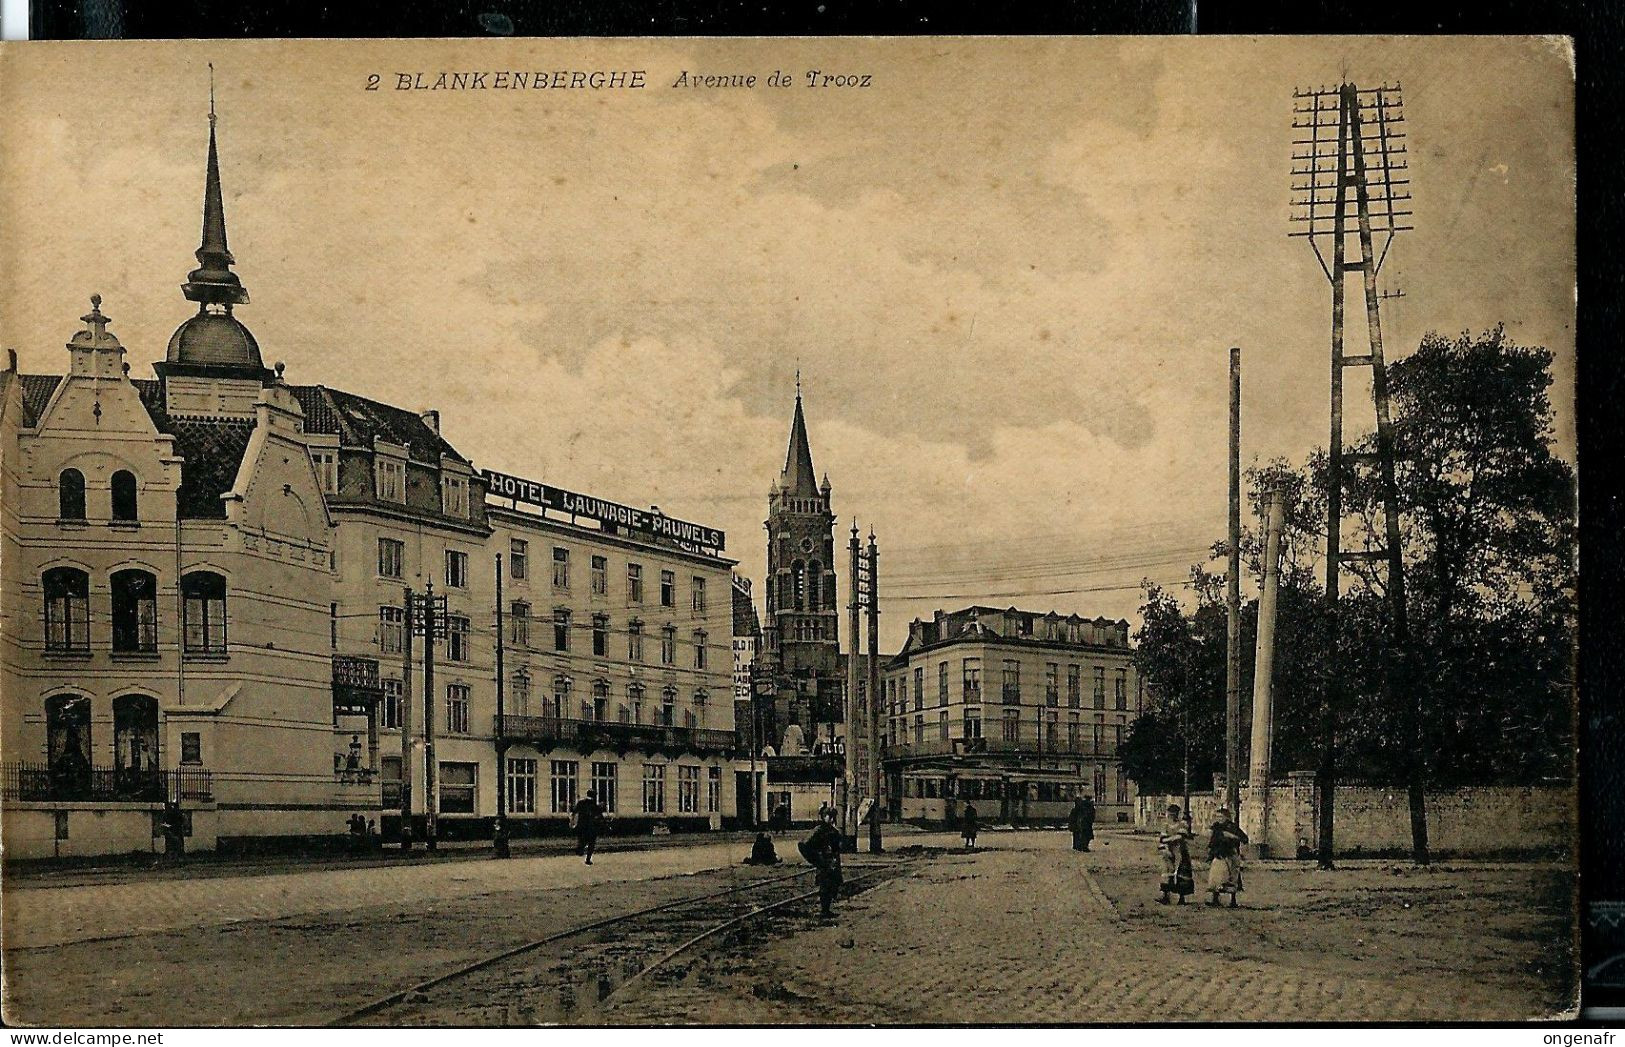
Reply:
x=214, y=339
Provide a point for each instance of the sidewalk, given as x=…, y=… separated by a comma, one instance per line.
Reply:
x=1029, y=931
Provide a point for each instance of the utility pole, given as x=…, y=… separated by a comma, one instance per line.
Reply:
x=875, y=846
x=1232, y=645
x=407, y=738
x=499, y=828
x=432, y=621
x=849, y=806
x=1258, y=776
x=1336, y=157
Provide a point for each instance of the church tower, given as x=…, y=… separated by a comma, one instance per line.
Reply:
x=801, y=631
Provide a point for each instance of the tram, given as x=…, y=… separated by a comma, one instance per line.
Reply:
x=1024, y=796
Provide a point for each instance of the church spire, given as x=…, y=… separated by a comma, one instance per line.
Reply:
x=213, y=282
x=799, y=480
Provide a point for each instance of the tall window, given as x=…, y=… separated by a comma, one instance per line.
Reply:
x=1100, y=687
x=1074, y=686
x=973, y=723
x=1122, y=785
x=942, y=725
x=561, y=567
x=600, y=700
x=70, y=495
x=600, y=575
x=391, y=479
x=1100, y=733
x=124, y=507
x=699, y=648
x=456, y=638
x=634, y=699
x=135, y=612
x=668, y=645
x=919, y=688
x=561, y=630
x=1012, y=725
x=327, y=470
x=391, y=629
x=457, y=708
x=972, y=670
x=1074, y=732
x=1012, y=682
x=390, y=710
x=457, y=787
x=1052, y=683
x=391, y=558
x=454, y=495
x=67, y=609
x=561, y=695
x=518, y=558
x=634, y=641
x=604, y=784
x=654, y=788
x=942, y=684
x=521, y=785
x=688, y=789
x=519, y=624
x=699, y=594
x=600, y=635
x=668, y=706
x=204, y=609
x=919, y=730
x=668, y=589
x=1121, y=692
x=634, y=583
x=456, y=569
x=562, y=795
x=713, y=790
x=135, y=733
x=67, y=739
x=520, y=691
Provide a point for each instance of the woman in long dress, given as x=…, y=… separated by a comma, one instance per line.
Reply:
x=1224, y=847
x=1177, y=878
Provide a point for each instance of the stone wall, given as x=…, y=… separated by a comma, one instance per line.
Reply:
x=1479, y=820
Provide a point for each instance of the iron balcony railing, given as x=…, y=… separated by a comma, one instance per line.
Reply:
x=38, y=782
x=587, y=735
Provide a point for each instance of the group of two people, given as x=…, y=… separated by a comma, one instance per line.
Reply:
x=1081, y=821
x=1225, y=839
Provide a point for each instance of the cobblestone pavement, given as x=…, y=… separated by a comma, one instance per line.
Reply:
x=1029, y=931
x=40, y=914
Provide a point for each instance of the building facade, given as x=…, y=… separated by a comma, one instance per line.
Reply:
x=204, y=581
x=1014, y=711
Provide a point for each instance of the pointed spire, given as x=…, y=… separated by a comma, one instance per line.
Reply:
x=213, y=282
x=799, y=479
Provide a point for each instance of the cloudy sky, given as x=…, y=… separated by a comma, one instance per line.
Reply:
x=1008, y=271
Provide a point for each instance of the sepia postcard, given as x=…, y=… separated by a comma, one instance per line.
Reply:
x=788, y=532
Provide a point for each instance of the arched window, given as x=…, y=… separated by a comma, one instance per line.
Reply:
x=204, y=593
x=135, y=738
x=135, y=612
x=124, y=495
x=70, y=493
x=67, y=734
x=67, y=609
x=815, y=575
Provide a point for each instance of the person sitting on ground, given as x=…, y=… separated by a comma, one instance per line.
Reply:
x=762, y=853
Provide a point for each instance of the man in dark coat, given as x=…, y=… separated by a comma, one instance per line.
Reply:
x=587, y=824
x=823, y=850
x=968, y=827
x=1083, y=823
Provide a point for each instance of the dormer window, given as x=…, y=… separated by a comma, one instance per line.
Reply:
x=327, y=470
x=391, y=474
x=454, y=493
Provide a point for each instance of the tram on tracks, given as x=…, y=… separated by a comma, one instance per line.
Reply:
x=936, y=795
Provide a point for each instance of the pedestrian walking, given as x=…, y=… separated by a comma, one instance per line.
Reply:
x=968, y=826
x=822, y=850
x=1224, y=847
x=1082, y=822
x=586, y=821
x=1177, y=876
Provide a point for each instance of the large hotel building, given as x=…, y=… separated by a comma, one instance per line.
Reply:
x=203, y=580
